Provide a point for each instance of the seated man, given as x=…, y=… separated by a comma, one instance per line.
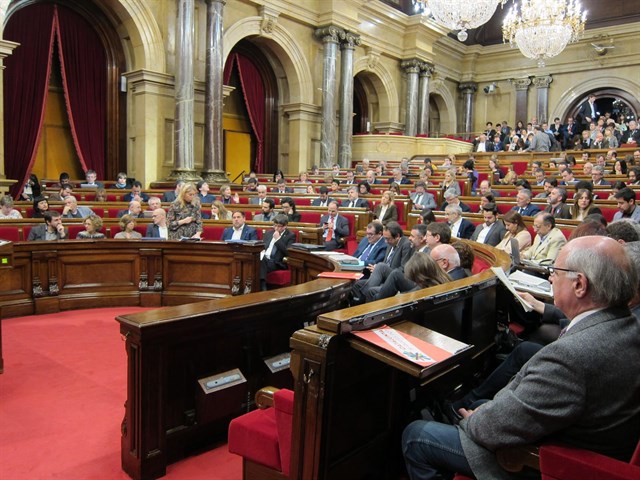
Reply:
x=135, y=210
x=335, y=227
x=171, y=196
x=353, y=201
x=72, y=210
x=51, y=230
x=491, y=231
x=152, y=205
x=240, y=230
x=158, y=229
x=422, y=199
x=523, y=204
x=548, y=241
x=281, y=187
x=580, y=390
x=449, y=260
x=268, y=211
x=90, y=180
x=65, y=190
x=557, y=205
x=627, y=208
x=276, y=243
x=262, y=195
x=451, y=198
x=372, y=247
x=136, y=193
x=323, y=200
x=460, y=227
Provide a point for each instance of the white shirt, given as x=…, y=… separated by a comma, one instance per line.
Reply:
x=237, y=233
x=455, y=227
x=484, y=232
x=163, y=231
x=580, y=317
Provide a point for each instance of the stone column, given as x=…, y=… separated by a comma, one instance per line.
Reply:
x=411, y=68
x=542, y=103
x=423, y=98
x=522, y=95
x=213, y=161
x=184, y=119
x=6, y=48
x=468, y=90
x=347, y=46
x=330, y=36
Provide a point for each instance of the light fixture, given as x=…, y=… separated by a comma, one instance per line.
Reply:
x=543, y=28
x=459, y=14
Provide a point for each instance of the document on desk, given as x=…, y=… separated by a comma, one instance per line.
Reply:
x=406, y=346
x=511, y=287
x=531, y=283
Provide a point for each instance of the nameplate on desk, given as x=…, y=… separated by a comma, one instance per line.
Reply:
x=277, y=363
x=220, y=381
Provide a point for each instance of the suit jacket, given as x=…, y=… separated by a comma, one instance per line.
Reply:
x=529, y=211
x=248, y=233
x=360, y=203
x=585, y=111
x=487, y=145
x=403, y=181
x=466, y=229
x=631, y=134
x=376, y=254
x=316, y=201
x=153, y=231
x=340, y=230
x=169, y=196
x=280, y=248
x=495, y=234
x=581, y=390
x=560, y=211
x=208, y=198
x=122, y=213
x=286, y=190
x=390, y=214
x=547, y=250
x=128, y=197
x=458, y=273
x=39, y=233
x=427, y=200
x=402, y=252
x=260, y=217
x=255, y=201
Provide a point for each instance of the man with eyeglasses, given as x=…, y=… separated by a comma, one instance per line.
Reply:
x=372, y=247
x=276, y=247
x=580, y=390
x=448, y=259
x=548, y=241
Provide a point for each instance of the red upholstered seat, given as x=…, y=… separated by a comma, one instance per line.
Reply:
x=264, y=436
x=279, y=278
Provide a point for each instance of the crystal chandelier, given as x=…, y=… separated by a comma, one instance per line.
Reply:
x=459, y=14
x=543, y=28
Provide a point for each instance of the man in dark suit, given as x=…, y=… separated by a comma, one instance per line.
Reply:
x=398, y=177
x=372, y=247
x=569, y=131
x=281, y=187
x=491, y=231
x=632, y=135
x=460, y=227
x=276, y=247
x=588, y=112
x=481, y=144
x=240, y=230
x=597, y=176
x=557, y=204
x=523, y=204
x=171, y=196
x=136, y=193
x=335, y=227
x=158, y=229
x=135, y=210
x=52, y=229
x=323, y=200
x=581, y=390
x=353, y=201
x=448, y=259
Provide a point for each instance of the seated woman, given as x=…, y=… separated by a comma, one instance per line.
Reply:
x=364, y=188
x=303, y=177
x=226, y=197
x=289, y=209
x=311, y=190
x=386, y=211
x=101, y=195
x=40, y=205
x=92, y=226
x=583, y=205
x=32, y=188
x=218, y=212
x=128, y=225
x=515, y=229
x=394, y=188
x=7, y=212
x=450, y=182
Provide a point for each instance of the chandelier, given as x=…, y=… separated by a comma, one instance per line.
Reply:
x=459, y=14
x=543, y=28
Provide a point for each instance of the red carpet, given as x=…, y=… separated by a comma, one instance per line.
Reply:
x=61, y=402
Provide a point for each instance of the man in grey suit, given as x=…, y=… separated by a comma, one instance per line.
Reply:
x=422, y=199
x=581, y=390
x=52, y=229
x=491, y=231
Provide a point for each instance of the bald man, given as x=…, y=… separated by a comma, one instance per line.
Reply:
x=448, y=259
x=158, y=229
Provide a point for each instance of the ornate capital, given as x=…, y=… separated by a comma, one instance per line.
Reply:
x=543, y=82
x=329, y=34
x=269, y=20
x=521, y=83
x=350, y=40
x=411, y=66
x=426, y=70
x=468, y=87
x=373, y=57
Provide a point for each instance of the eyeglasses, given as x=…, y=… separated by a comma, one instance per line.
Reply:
x=555, y=270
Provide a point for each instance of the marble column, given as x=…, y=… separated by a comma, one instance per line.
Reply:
x=184, y=94
x=6, y=48
x=411, y=69
x=468, y=90
x=213, y=161
x=423, y=98
x=330, y=36
x=522, y=96
x=345, y=128
x=542, y=103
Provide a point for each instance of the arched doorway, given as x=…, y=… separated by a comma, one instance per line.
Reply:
x=609, y=100
x=73, y=18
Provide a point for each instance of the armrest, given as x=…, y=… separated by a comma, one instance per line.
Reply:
x=516, y=458
x=576, y=464
x=264, y=397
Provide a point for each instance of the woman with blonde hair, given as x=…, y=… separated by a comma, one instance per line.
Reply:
x=450, y=182
x=92, y=226
x=185, y=218
x=128, y=225
x=515, y=229
x=386, y=211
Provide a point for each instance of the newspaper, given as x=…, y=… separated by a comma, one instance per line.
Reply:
x=507, y=283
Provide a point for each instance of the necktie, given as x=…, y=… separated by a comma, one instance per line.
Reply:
x=419, y=200
x=390, y=256
x=365, y=254
x=330, y=233
x=352, y=204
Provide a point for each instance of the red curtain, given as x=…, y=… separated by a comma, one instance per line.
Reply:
x=84, y=76
x=254, y=99
x=26, y=83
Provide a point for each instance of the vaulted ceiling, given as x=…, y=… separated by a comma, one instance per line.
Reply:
x=600, y=13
